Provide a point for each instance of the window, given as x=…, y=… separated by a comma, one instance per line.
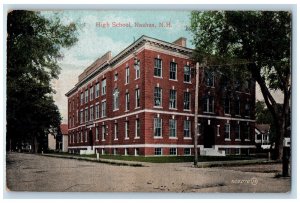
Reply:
x=137, y=70
x=158, y=151
x=186, y=101
x=127, y=75
x=238, y=132
x=157, y=127
x=97, y=111
x=81, y=98
x=172, y=128
x=227, y=131
x=81, y=116
x=173, y=71
x=92, y=93
x=247, y=109
x=227, y=105
x=172, y=101
x=115, y=151
x=137, y=98
x=187, y=74
x=127, y=130
x=97, y=90
x=247, y=132
x=116, y=99
x=187, y=151
x=103, y=87
x=237, y=151
x=91, y=113
x=158, y=68
x=86, y=96
x=127, y=101
x=97, y=134
x=103, y=132
x=78, y=137
x=103, y=109
x=126, y=151
x=173, y=151
x=116, y=77
x=208, y=104
x=81, y=136
x=116, y=131
x=187, y=128
x=85, y=136
x=209, y=78
x=157, y=96
x=86, y=115
x=237, y=107
x=136, y=151
x=137, y=128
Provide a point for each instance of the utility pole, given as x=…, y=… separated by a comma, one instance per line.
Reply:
x=196, y=116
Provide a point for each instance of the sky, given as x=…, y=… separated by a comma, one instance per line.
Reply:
x=96, y=36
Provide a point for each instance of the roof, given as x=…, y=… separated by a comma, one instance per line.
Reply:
x=97, y=67
x=64, y=129
x=263, y=128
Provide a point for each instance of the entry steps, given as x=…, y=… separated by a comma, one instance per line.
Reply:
x=87, y=151
x=212, y=152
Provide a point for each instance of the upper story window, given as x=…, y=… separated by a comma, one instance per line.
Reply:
x=157, y=127
x=103, y=109
x=247, y=132
x=186, y=100
x=208, y=104
x=103, y=87
x=137, y=70
x=237, y=106
x=97, y=110
x=97, y=133
x=227, y=131
x=172, y=128
x=116, y=130
x=187, y=74
x=91, y=93
x=137, y=98
x=127, y=101
x=173, y=71
x=187, y=128
x=126, y=129
x=97, y=90
x=127, y=75
x=81, y=98
x=227, y=105
x=158, y=67
x=209, y=78
x=172, y=99
x=238, y=132
x=91, y=113
x=157, y=96
x=86, y=115
x=247, y=109
x=86, y=94
x=137, y=128
x=116, y=99
x=116, y=77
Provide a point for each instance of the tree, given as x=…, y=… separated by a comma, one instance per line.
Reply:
x=33, y=49
x=255, y=42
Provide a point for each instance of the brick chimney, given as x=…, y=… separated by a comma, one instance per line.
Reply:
x=181, y=42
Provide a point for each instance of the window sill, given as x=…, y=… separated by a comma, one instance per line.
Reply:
x=115, y=110
x=126, y=111
x=247, y=140
x=116, y=139
x=226, y=114
x=208, y=112
x=137, y=107
x=156, y=137
x=189, y=110
x=174, y=80
x=126, y=138
x=210, y=86
x=187, y=138
x=173, y=138
x=227, y=139
x=237, y=140
x=103, y=140
x=159, y=77
x=136, y=138
x=187, y=82
x=136, y=78
x=158, y=107
x=173, y=109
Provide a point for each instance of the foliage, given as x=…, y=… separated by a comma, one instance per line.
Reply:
x=254, y=42
x=33, y=50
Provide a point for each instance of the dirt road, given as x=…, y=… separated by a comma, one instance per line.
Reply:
x=27, y=172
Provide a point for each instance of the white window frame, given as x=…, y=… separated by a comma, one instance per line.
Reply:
x=97, y=134
x=92, y=93
x=116, y=128
x=97, y=110
x=127, y=101
x=127, y=130
x=157, y=125
x=189, y=75
x=116, y=99
x=91, y=113
x=103, y=87
x=238, y=132
x=186, y=153
x=97, y=90
x=187, y=128
x=158, y=151
x=158, y=94
x=86, y=115
x=227, y=131
x=171, y=149
x=185, y=101
x=103, y=109
x=159, y=68
x=137, y=98
x=173, y=101
x=86, y=96
x=137, y=70
x=172, y=128
x=137, y=128
x=127, y=75
x=85, y=136
x=172, y=71
x=103, y=132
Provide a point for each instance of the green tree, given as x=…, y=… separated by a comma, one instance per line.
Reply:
x=33, y=49
x=260, y=43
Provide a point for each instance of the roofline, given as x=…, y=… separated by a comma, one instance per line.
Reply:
x=142, y=40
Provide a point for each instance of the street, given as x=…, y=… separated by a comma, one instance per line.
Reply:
x=29, y=172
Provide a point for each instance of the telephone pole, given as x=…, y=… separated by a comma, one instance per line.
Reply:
x=196, y=116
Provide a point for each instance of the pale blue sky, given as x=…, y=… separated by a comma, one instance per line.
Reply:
x=94, y=41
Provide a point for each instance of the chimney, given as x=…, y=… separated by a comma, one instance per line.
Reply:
x=181, y=42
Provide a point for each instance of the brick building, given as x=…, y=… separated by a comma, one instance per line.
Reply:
x=141, y=102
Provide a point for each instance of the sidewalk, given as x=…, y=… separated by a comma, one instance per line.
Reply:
x=180, y=164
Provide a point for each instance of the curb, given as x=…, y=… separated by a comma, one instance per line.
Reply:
x=234, y=163
x=105, y=161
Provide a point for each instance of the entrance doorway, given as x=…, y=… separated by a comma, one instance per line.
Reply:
x=209, y=136
x=91, y=138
